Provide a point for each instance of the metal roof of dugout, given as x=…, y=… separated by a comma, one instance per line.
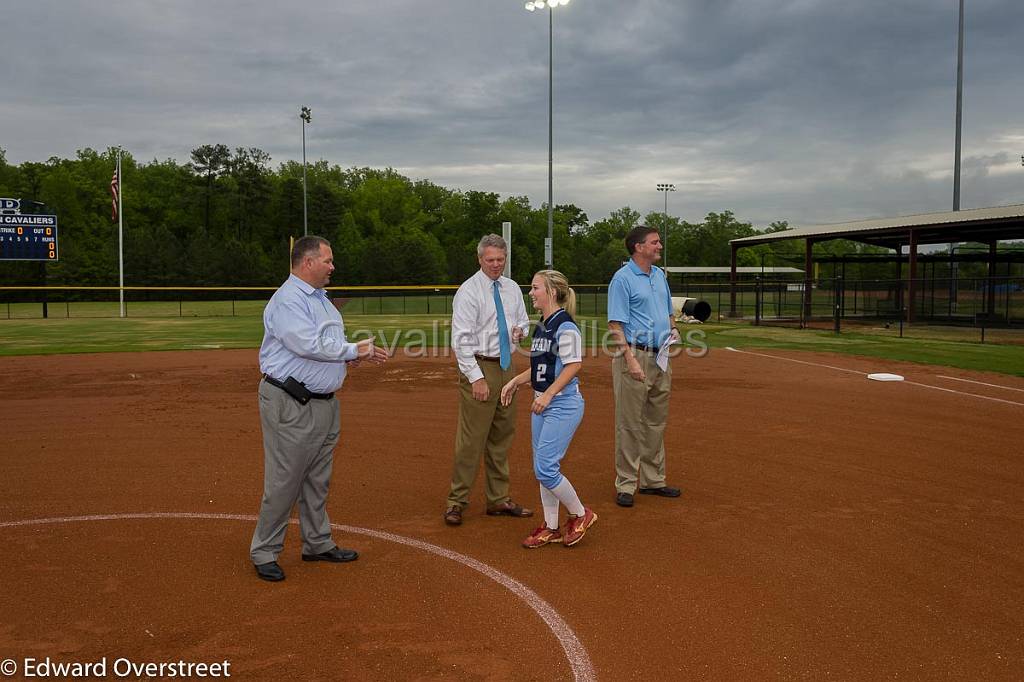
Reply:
x=982, y=225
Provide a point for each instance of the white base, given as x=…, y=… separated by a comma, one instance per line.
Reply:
x=884, y=376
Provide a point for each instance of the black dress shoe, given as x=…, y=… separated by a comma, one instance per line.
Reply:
x=624, y=500
x=453, y=516
x=664, y=491
x=269, y=571
x=336, y=555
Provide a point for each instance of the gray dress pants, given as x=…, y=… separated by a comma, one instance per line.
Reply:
x=298, y=454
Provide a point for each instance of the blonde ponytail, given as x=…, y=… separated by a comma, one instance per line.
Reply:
x=558, y=284
x=570, y=302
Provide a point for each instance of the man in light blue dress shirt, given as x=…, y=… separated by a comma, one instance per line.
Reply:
x=304, y=360
x=640, y=322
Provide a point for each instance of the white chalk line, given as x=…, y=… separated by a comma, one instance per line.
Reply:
x=975, y=395
x=982, y=383
x=575, y=653
x=854, y=371
x=800, y=362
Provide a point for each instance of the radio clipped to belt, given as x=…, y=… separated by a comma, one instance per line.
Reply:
x=297, y=390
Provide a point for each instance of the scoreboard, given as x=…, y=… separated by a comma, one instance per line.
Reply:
x=28, y=237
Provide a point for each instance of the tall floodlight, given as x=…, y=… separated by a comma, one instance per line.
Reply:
x=530, y=7
x=307, y=117
x=959, y=108
x=666, y=187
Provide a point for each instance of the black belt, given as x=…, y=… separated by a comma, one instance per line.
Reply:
x=280, y=384
x=487, y=358
x=641, y=346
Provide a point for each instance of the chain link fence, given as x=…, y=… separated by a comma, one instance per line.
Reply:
x=960, y=308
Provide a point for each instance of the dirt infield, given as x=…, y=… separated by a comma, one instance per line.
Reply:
x=830, y=527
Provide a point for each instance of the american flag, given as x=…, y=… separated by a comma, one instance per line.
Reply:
x=114, y=188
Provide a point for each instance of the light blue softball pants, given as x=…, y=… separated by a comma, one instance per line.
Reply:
x=553, y=430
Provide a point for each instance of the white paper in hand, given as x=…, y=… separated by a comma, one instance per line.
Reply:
x=662, y=359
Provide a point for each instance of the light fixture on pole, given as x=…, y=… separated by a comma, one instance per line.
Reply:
x=307, y=116
x=666, y=187
x=549, y=249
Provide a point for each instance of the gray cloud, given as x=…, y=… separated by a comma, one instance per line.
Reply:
x=805, y=110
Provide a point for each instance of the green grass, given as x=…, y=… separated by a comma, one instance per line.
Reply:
x=91, y=335
x=1006, y=357
x=99, y=335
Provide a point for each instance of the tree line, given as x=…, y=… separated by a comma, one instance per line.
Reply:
x=225, y=219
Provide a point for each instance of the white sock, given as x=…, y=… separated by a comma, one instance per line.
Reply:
x=550, y=502
x=566, y=494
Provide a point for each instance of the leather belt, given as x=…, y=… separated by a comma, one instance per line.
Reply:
x=280, y=384
x=487, y=358
x=642, y=346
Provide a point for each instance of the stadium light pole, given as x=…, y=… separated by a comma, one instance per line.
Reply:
x=666, y=187
x=530, y=7
x=959, y=108
x=307, y=117
x=959, y=116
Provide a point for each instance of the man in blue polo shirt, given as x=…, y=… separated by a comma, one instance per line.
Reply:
x=640, y=323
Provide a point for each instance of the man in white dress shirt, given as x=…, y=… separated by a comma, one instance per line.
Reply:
x=488, y=320
x=304, y=360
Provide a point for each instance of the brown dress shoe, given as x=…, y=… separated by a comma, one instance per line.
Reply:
x=453, y=516
x=509, y=508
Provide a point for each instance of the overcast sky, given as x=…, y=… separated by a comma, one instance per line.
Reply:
x=811, y=111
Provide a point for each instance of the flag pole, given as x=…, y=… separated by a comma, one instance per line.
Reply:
x=120, y=233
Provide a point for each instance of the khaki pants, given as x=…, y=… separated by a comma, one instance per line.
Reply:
x=641, y=411
x=485, y=428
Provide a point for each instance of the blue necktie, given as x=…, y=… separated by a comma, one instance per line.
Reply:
x=505, y=356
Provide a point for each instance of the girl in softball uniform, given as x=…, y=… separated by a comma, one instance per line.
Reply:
x=556, y=354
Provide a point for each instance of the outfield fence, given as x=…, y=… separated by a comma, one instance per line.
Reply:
x=142, y=302
x=989, y=309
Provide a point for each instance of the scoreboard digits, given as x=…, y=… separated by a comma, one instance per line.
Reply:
x=28, y=237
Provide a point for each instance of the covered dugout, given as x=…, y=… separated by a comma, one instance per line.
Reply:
x=980, y=225
x=701, y=274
